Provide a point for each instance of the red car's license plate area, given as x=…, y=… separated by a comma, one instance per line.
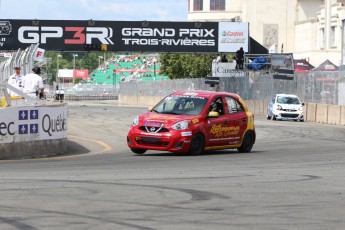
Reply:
x=151, y=141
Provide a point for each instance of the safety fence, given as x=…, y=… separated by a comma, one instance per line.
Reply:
x=325, y=87
x=311, y=87
x=22, y=58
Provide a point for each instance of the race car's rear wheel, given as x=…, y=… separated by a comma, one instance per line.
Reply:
x=138, y=151
x=197, y=145
x=247, y=142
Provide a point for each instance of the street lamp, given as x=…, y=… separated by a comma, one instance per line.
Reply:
x=74, y=55
x=57, y=66
x=99, y=60
x=154, y=67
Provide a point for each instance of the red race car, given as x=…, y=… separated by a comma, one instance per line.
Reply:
x=194, y=122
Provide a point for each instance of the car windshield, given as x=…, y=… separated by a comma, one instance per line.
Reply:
x=288, y=100
x=181, y=105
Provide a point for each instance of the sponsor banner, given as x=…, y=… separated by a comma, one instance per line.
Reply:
x=223, y=69
x=212, y=80
x=73, y=73
x=65, y=73
x=20, y=124
x=5, y=55
x=131, y=36
x=233, y=36
x=81, y=73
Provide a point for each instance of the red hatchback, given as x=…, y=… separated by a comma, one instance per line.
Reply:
x=193, y=122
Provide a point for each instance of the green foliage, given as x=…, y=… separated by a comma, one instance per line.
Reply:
x=186, y=65
x=175, y=66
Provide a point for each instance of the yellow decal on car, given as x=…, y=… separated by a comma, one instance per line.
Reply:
x=196, y=120
x=220, y=131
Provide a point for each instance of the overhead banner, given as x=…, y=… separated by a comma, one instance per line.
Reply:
x=132, y=36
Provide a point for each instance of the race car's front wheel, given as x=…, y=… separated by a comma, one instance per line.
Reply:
x=138, y=151
x=197, y=145
x=247, y=143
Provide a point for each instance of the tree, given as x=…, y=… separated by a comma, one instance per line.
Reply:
x=186, y=65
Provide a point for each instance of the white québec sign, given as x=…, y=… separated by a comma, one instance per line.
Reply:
x=20, y=124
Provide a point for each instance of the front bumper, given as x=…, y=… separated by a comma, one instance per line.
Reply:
x=283, y=115
x=172, y=141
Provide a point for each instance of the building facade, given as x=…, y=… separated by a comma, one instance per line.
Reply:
x=310, y=29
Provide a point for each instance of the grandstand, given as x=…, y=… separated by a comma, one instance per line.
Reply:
x=134, y=67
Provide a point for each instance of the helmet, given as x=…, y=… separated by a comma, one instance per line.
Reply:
x=36, y=70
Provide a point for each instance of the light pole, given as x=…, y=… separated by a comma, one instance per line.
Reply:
x=57, y=67
x=154, y=67
x=74, y=55
x=99, y=60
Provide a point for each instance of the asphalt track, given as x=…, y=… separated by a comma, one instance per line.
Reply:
x=292, y=179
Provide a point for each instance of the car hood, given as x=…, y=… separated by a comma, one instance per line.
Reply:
x=156, y=119
x=290, y=106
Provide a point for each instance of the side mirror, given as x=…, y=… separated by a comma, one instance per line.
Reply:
x=303, y=104
x=150, y=108
x=213, y=114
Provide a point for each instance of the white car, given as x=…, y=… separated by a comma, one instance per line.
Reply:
x=285, y=107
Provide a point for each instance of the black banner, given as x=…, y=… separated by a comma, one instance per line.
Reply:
x=138, y=36
x=212, y=80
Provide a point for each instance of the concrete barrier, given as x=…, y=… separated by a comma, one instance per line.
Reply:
x=33, y=131
x=333, y=114
x=320, y=113
x=310, y=112
x=342, y=115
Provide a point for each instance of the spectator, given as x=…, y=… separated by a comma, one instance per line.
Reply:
x=288, y=61
x=224, y=59
x=239, y=58
x=219, y=58
x=16, y=80
x=33, y=83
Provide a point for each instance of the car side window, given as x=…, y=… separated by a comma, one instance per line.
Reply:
x=217, y=106
x=233, y=105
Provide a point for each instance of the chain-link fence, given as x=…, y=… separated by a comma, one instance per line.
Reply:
x=22, y=58
x=326, y=87
x=312, y=87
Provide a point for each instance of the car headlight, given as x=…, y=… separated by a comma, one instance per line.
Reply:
x=135, y=122
x=181, y=125
x=300, y=108
x=279, y=107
